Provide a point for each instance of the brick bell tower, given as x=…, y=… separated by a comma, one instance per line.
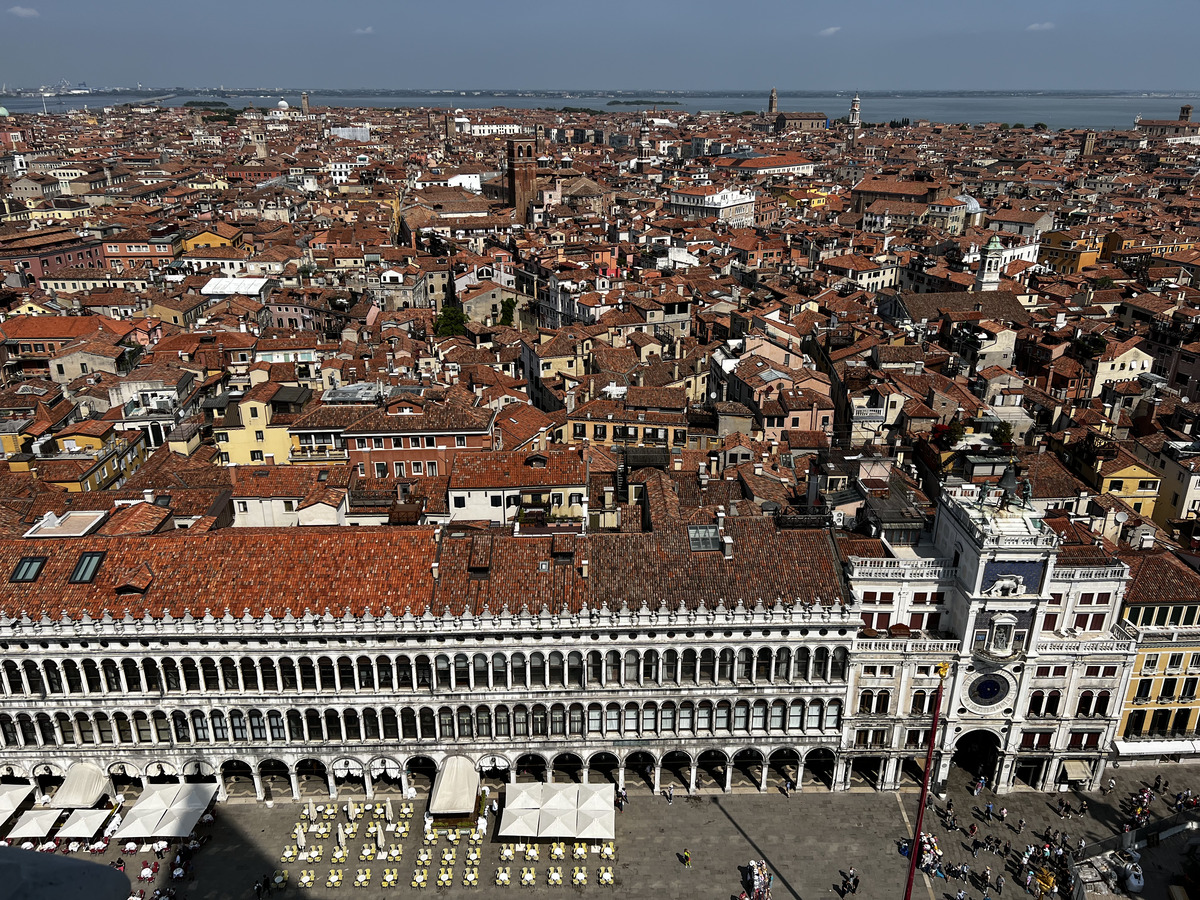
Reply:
x=522, y=177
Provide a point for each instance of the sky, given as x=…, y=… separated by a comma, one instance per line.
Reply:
x=813, y=45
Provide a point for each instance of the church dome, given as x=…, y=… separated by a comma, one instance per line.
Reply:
x=282, y=104
x=3, y=113
x=972, y=204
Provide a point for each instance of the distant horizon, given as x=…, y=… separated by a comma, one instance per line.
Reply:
x=602, y=91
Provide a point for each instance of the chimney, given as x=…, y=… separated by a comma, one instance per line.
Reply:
x=721, y=518
x=434, y=567
x=148, y=495
x=727, y=543
x=1185, y=113
x=583, y=568
x=758, y=470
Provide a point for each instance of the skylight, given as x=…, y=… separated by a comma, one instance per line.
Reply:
x=703, y=537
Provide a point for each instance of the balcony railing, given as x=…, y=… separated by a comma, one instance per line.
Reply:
x=319, y=453
x=908, y=569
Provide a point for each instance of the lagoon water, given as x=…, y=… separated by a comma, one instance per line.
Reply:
x=1054, y=109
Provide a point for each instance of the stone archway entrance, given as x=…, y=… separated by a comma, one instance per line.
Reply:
x=978, y=753
x=819, y=766
x=602, y=768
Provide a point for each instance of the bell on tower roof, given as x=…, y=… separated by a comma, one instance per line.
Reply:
x=1009, y=483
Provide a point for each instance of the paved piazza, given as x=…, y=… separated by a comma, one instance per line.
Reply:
x=806, y=841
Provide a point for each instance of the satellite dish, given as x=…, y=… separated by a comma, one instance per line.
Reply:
x=1122, y=518
x=712, y=395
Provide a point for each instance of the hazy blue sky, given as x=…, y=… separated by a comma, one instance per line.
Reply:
x=666, y=44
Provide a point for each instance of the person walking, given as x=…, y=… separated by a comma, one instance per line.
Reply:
x=258, y=889
x=1157, y=784
x=670, y=794
x=999, y=884
x=987, y=811
x=1020, y=825
x=1003, y=814
x=687, y=858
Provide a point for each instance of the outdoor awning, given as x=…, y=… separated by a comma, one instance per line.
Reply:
x=523, y=796
x=11, y=797
x=557, y=823
x=519, y=823
x=1077, y=770
x=558, y=797
x=83, y=786
x=139, y=824
x=1155, y=748
x=456, y=790
x=597, y=797
x=177, y=823
x=84, y=823
x=35, y=823
x=596, y=825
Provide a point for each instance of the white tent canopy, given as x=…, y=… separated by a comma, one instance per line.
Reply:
x=559, y=811
x=83, y=786
x=167, y=810
x=456, y=791
x=35, y=823
x=11, y=797
x=523, y=796
x=84, y=823
x=519, y=823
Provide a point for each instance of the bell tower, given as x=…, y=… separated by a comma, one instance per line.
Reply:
x=990, y=257
x=855, y=120
x=522, y=177
x=773, y=102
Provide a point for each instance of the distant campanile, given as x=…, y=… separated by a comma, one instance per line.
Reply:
x=773, y=102
x=855, y=118
x=304, y=103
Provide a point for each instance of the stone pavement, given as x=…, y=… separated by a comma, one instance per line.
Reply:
x=806, y=840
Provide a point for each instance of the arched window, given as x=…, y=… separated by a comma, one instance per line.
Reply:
x=689, y=671
x=250, y=675
x=883, y=701
x=1102, y=703
x=630, y=675
x=745, y=664
x=275, y=723
x=308, y=674
x=333, y=725
x=595, y=668
x=125, y=730
x=670, y=666
x=796, y=716
x=483, y=721
x=54, y=682
x=820, y=669
x=708, y=666
x=66, y=731
x=191, y=675
x=783, y=663
x=557, y=670
x=537, y=670
x=462, y=672
x=312, y=725
x=838, y=670
x=666, y=718
x=370, y=722
x=725, y=665
x=866, y=702
x=762, y=670
x=8, y=731
x=499, y=671
x=479, y=670
x=918, y=703
x=237, y=725
x=575, y=669
x=428, y=724
x=383, y=669
x=229, y=675
x=539, y=719
x=133, y=677
x=295, y=724
x=778, y=716
x=182, y=732
x=199, y=726
x=424, y=673
x=758, y=716
x=258, y=726
x=75, y=682
x=466, y=722
x=612, y=719
x=1053, y=699
x=1037, y=703
x=520, y=672
x=833, y=715
x=815, y=716
x=366, y=673
x=1084, y=706
x=46, y=729
x=289, y=678
x=650, y=667
x=803, y=663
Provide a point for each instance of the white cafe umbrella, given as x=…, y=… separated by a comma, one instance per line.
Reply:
x=300, y=840
x=388, y=809
x=312, y=809
x=378, y=838
x=519, y=823
x=341, y=834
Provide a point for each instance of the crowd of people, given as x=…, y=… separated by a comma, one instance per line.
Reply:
x=758, y=881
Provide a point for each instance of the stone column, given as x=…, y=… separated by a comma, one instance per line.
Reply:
x=621, y=776
x=692, y=780
x=729, y=777
x=798, y=781
x=404, y=782
x=258, y=784
x=762, y=781
x=657, y=778
x=583, y=774
x=368, y=785
x=332, y=782
x=295, y=785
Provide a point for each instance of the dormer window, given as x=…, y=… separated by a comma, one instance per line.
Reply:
x=28, y=569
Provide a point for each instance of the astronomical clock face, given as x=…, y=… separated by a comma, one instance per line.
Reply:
x=988, y=690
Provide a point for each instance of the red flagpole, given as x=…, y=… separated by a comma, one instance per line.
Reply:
x=914, y=848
